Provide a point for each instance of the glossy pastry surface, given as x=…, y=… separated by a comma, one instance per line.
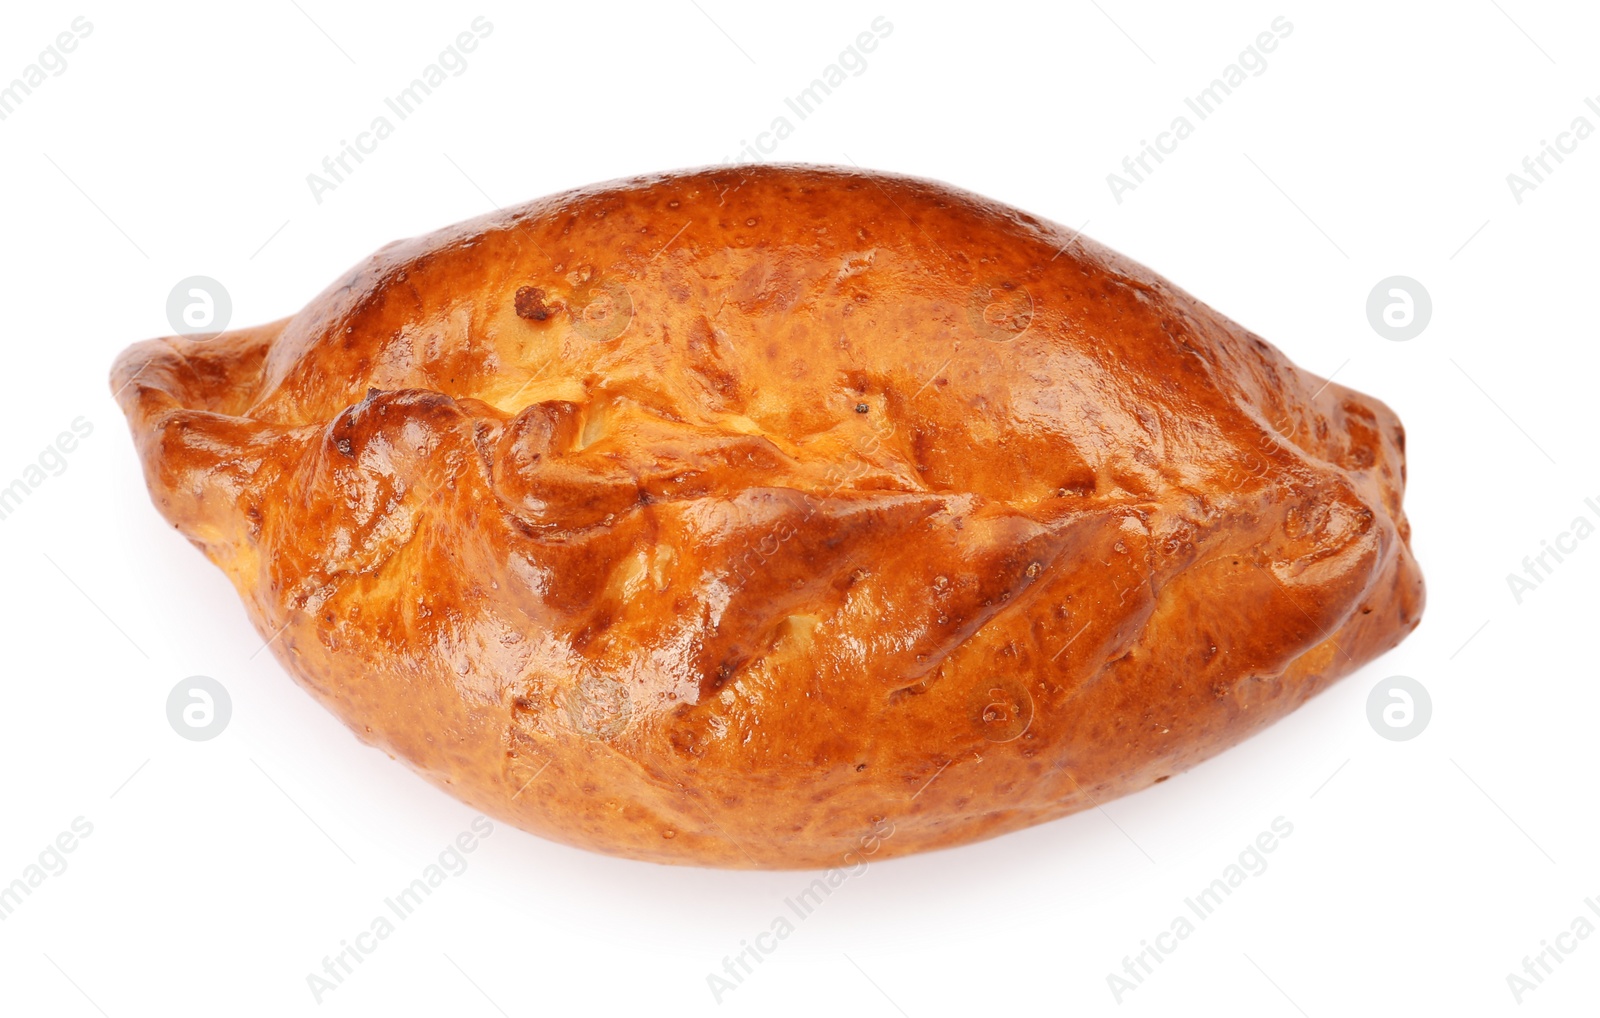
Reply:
x=727, y=517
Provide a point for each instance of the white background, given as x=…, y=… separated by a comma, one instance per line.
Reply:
x=1377, y=142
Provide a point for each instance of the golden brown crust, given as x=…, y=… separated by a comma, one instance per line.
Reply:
x=721, y=517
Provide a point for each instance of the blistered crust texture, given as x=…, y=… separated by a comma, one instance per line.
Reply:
x=726, y=517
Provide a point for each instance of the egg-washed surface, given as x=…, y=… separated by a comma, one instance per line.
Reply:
x=723, y=517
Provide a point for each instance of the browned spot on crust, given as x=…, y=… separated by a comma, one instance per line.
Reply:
x=530, y=304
